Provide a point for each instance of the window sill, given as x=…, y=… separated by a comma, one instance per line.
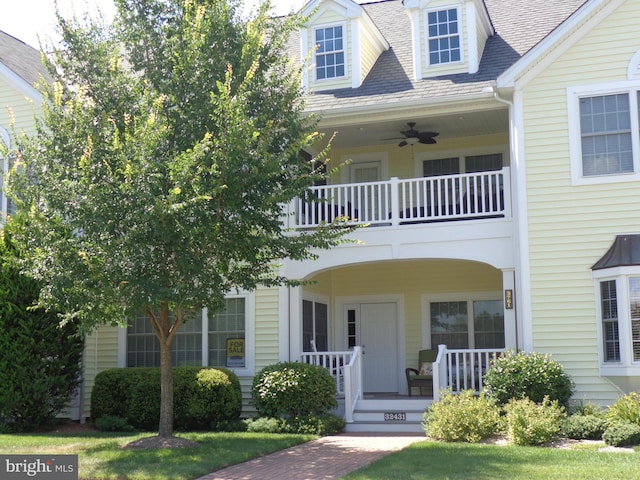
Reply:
x=619, y=370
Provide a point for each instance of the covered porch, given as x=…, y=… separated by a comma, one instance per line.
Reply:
x=367, y=322
x=453, y=369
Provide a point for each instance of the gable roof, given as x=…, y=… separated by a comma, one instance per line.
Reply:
x=20, y=63
x=519, y=26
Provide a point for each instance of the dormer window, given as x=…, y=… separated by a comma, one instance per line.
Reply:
x=444, y=36
x=330, y=54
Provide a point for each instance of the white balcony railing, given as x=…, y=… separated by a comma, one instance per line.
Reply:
x=409, y=201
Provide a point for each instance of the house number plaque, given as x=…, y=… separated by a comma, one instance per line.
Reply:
x=395, y=417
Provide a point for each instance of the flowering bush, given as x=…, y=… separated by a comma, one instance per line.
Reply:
x=528, y=375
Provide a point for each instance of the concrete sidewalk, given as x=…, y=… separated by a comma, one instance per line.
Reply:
x=323, y=459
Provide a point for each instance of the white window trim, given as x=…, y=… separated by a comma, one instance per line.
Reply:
x=250, y=319
x=469, y=297
x=461, y=154
x=382, y=158
x=344, y=49
x=574, y=94
x=427, y=53
x=317, y=298
x=626, y=366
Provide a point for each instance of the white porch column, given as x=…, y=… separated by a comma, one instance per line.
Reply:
x=294, y=324
x=509, y=302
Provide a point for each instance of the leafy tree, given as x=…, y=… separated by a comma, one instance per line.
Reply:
x=169, y=142
x=40, y=358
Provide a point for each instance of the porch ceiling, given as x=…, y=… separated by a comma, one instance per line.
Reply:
x=364, y=129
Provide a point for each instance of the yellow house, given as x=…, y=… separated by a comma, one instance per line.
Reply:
x=491, y=152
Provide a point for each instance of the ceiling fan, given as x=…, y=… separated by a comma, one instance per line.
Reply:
x=413, y=136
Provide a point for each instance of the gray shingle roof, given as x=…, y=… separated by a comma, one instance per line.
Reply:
x=519, y=25
x=21, y=59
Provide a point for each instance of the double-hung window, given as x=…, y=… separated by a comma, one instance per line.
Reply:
x=443, y=31
x=224, y=339
x=330, y=52
x=471, y=323
x=619, y=322
x=604, y=133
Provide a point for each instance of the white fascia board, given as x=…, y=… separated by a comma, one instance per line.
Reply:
x=556, y=43
x=400, y=107
x=19, y=83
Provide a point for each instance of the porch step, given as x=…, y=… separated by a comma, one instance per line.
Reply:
x=389, y=415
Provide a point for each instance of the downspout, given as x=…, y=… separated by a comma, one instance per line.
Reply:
x=522, y=298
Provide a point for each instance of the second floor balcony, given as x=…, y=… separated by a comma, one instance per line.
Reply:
x=398, y=202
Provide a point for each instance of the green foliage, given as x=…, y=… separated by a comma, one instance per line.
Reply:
x=110, y=423
x=462, y=418
x=40, y=357
x=531, y=423
x=327, y=424
x=156, y=178
x=528, y=375
x=622, y=435
x=584, y=427
x=205, y=398
x=293, y=389
x=625, y=410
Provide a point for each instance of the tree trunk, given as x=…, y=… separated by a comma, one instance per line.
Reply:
x=165, y=428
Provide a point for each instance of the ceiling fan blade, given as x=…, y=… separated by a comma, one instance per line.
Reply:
x=427, y=141
x=403, y=143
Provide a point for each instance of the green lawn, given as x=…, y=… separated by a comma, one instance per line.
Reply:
x=101, y=456
x=433, y=461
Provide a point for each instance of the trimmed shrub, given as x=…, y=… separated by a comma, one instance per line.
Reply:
x=109, y=423
x=528, y=375
x=40, y=358
x=293, y=389
x=622, y=435
x=462, y=418
x=204, y=398
x=326, y=424
x=625, y=410
x=531, y=423
x=584, y=427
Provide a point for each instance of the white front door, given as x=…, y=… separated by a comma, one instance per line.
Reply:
x=378, y=328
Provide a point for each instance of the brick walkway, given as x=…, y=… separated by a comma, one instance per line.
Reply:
x=324, y=459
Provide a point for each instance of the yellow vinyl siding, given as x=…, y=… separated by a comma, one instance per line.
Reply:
x=571, y=227
x=16, y=108
x=101, y=353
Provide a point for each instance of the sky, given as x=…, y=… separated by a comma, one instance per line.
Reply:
x=28, y=19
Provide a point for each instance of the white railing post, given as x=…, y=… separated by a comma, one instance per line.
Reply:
x=395, y=201
x=439, y=372
x=353, y=384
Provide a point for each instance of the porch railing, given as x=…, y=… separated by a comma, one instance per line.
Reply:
x=334, y=362
x=346, y=368
x=461, y=369
x=407, y=201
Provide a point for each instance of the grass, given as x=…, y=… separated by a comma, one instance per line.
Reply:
x=101, y=456
x=450, y=461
